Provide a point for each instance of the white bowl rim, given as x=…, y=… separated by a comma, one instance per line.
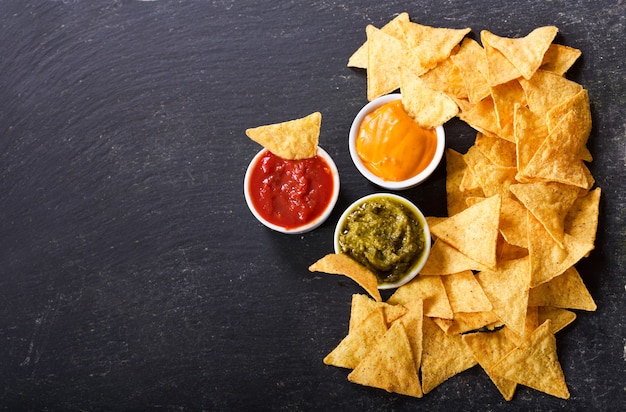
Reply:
x=387, y=184
x=427, y=238
x=304, y=228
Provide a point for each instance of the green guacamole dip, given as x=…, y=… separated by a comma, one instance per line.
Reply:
x=385, y=236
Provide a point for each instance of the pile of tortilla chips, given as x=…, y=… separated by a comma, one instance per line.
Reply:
x=500, y=280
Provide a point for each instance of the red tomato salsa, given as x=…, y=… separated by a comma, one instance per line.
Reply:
x=290, y=193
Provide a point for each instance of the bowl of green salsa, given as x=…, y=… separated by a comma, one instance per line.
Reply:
x=387, y=234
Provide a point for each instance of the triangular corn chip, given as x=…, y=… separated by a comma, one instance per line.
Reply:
x=474, y=231
x=536, y=365
x=293, y=139
x=525, y=53
x=564, y=291
x=355, y=346
x=443, y=357
x=341, y=264
x=488, y=349
x=549, y=202
x=360, y=56
x=428, y=289
x=390, y=365
x=507, y=290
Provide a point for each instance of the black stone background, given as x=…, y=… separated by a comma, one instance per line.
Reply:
x=133, y=276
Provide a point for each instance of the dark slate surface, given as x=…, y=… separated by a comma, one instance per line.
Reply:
x=132, y=275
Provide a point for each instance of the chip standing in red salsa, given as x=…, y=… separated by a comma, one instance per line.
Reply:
x=290, y=193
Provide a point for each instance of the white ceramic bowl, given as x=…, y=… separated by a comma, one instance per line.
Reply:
x=419, y=264
x=300, y=229
x=391, y=185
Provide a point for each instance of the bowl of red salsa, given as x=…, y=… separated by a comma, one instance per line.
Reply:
x=291, y=196
x=390, y=149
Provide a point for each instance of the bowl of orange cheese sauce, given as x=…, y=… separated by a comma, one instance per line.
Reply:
x=390, y=149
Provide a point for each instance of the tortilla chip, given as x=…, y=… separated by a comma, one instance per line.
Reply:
x=341, y=264
x=547, y=258
x=446, y=77
x=581, y=222
x=474, y=231
x=579, y=104
x=455, y=172
x=362, y=306
x=413, y=324
x=500, y=152
x=390, y=365
x=488, y=349
x=536, y=366
x=507, y=290
x=445, y=260
x=559, y=58
x=546, y=89
x=428, y=289
x=471, y=61
x=525, y=53
x=465, y=293
x=493, y=179
x=360, y=56
x=443, y=356
x=549, y=202
x=428, y=107
x=294, y=139
x=427, y=46
x=557, y=158
x=383, y=63
x=530, y=131
x=559, y=318
x=505, y=96
x=500, y=69
x=482, y=117
x=513, y=223
x=357, y=344
x=564, y=291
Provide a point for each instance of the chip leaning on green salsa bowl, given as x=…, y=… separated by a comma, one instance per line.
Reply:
x=387, y=234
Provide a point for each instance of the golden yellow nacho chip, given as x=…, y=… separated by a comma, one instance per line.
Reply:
x=537, y=365
x=488, y=349
x=360, y=56
x=443, y=356
x=546, y=89
x=427, y=46
x=340, y=264
x=293, y=139
x=445, y=260
x=446, y=77
x=363, y=305
x=471, y=61
x=525, y=53
x=428, y=289
x=565, y=291
x=383, y=64
x=413, y=324
x=507, y=290
x=500, y=69
x=581, y=221
x=359, y=341
x=428, y=107
x=559, y=58
x=465, y=293
x=559, y=318
x=549, y=202
x=456, y=167
x=557, y=158
x=390, y=365
x=513, y=223
x=474, y=231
